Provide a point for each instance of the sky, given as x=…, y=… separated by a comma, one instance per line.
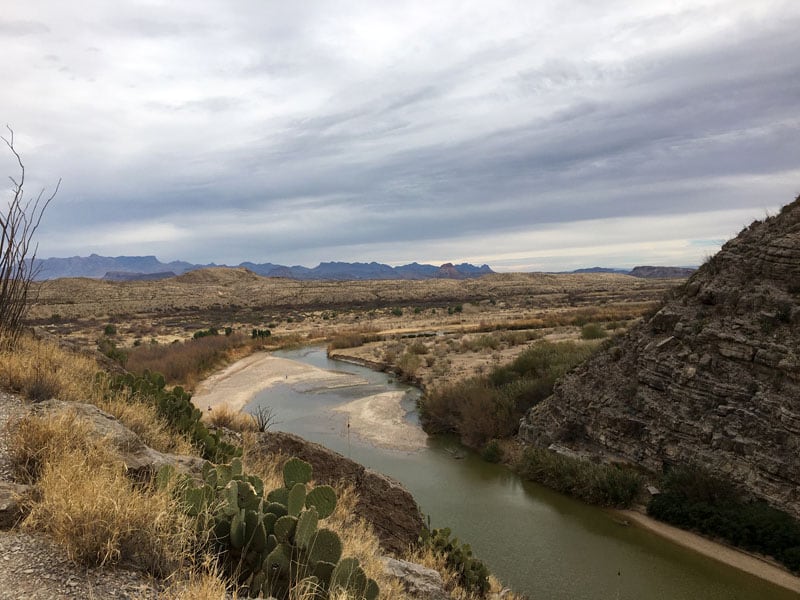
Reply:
x=529, y=136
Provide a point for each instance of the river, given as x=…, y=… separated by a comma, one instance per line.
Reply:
x=540, y=543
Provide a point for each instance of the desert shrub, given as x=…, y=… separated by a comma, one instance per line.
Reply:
x=205, y=333
x=182, y=362
x=491, y=406
x=408, y=364
x=604, y=485
x=694, y=499
x=418, y=348
x=492, y=452
x=346, y=340
x=110, y=329
x=223, y=416
x=260, y=333
x=109, y=348
x=397, y=312
x=472, y=573
x=593, y=331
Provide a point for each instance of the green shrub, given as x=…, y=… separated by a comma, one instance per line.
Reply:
x=205, y=333
x=397, y=312
x=472, y=573
x=593, y=331
x=110, y=329
x=694, y=499
x=492, y=452
x=483, y=408
x=604, y=485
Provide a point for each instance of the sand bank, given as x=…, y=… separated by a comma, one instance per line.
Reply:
x=237, y=384
x=380, y=420
x=724, y=554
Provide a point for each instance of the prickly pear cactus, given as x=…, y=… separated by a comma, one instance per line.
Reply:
x=271, y=543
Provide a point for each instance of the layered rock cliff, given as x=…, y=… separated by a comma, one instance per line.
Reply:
x=713, y=378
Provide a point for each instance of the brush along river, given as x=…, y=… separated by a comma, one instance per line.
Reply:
x=540, y=543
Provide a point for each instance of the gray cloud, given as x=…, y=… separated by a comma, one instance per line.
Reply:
x=338, y=134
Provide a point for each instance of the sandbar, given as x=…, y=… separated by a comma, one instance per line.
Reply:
x=238, y=384
x=380, y=419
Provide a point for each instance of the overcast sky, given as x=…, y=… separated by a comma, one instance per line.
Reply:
x=530, y=135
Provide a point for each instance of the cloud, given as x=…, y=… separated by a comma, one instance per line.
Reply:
x=360, y=132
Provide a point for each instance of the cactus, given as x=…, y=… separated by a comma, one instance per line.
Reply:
x=323, y=498
x=296, y=499
x=325, y=546
x=306, y=527
x=271, y=542
x=296, y=471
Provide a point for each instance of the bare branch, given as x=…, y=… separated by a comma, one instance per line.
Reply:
x=18, y=225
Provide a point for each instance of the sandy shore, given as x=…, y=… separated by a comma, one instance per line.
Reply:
x=380, y=420
x=237, y=384
x=724, y=554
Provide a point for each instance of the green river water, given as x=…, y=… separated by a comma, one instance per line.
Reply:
x=536, y=541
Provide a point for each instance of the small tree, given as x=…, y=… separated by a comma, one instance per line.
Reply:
x=18, y=224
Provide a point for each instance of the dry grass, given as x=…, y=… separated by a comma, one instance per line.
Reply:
x=34, y=366
x=427, y=558
x=85, y=501
x=223, y=416
x=40, y=370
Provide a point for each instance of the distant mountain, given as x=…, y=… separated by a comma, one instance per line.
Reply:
x=601, y=270
x=96, y=266
x=644, y=272
x=126, y=276
x=662, y=272
x=127, y=268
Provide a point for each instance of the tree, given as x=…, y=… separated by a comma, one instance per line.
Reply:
x=18, y=224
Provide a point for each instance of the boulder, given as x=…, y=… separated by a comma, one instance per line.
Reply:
x=420, y=582
x=13, y=502
x=140, y=460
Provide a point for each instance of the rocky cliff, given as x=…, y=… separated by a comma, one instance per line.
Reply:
x=712, y=378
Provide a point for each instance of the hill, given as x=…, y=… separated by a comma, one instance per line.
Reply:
x=712, y=378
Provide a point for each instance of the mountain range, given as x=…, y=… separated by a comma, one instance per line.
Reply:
x=127, y=268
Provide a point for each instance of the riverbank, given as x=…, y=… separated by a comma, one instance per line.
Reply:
x=258, y=372
x=728, y=555
x=378, y=419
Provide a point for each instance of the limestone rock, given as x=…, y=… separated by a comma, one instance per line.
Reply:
x=140, y=459
x=419, y=582
x=13, y=497
x=712, y=378
x=383, y=502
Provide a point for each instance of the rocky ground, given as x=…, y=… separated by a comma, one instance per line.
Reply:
x=32, y=567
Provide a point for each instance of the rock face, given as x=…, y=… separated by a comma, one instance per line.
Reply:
x=712, y=378
x=383, y=502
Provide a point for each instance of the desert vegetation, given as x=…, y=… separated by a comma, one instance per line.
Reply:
x=490, y=406
x=88, y=503
x=695, y=499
